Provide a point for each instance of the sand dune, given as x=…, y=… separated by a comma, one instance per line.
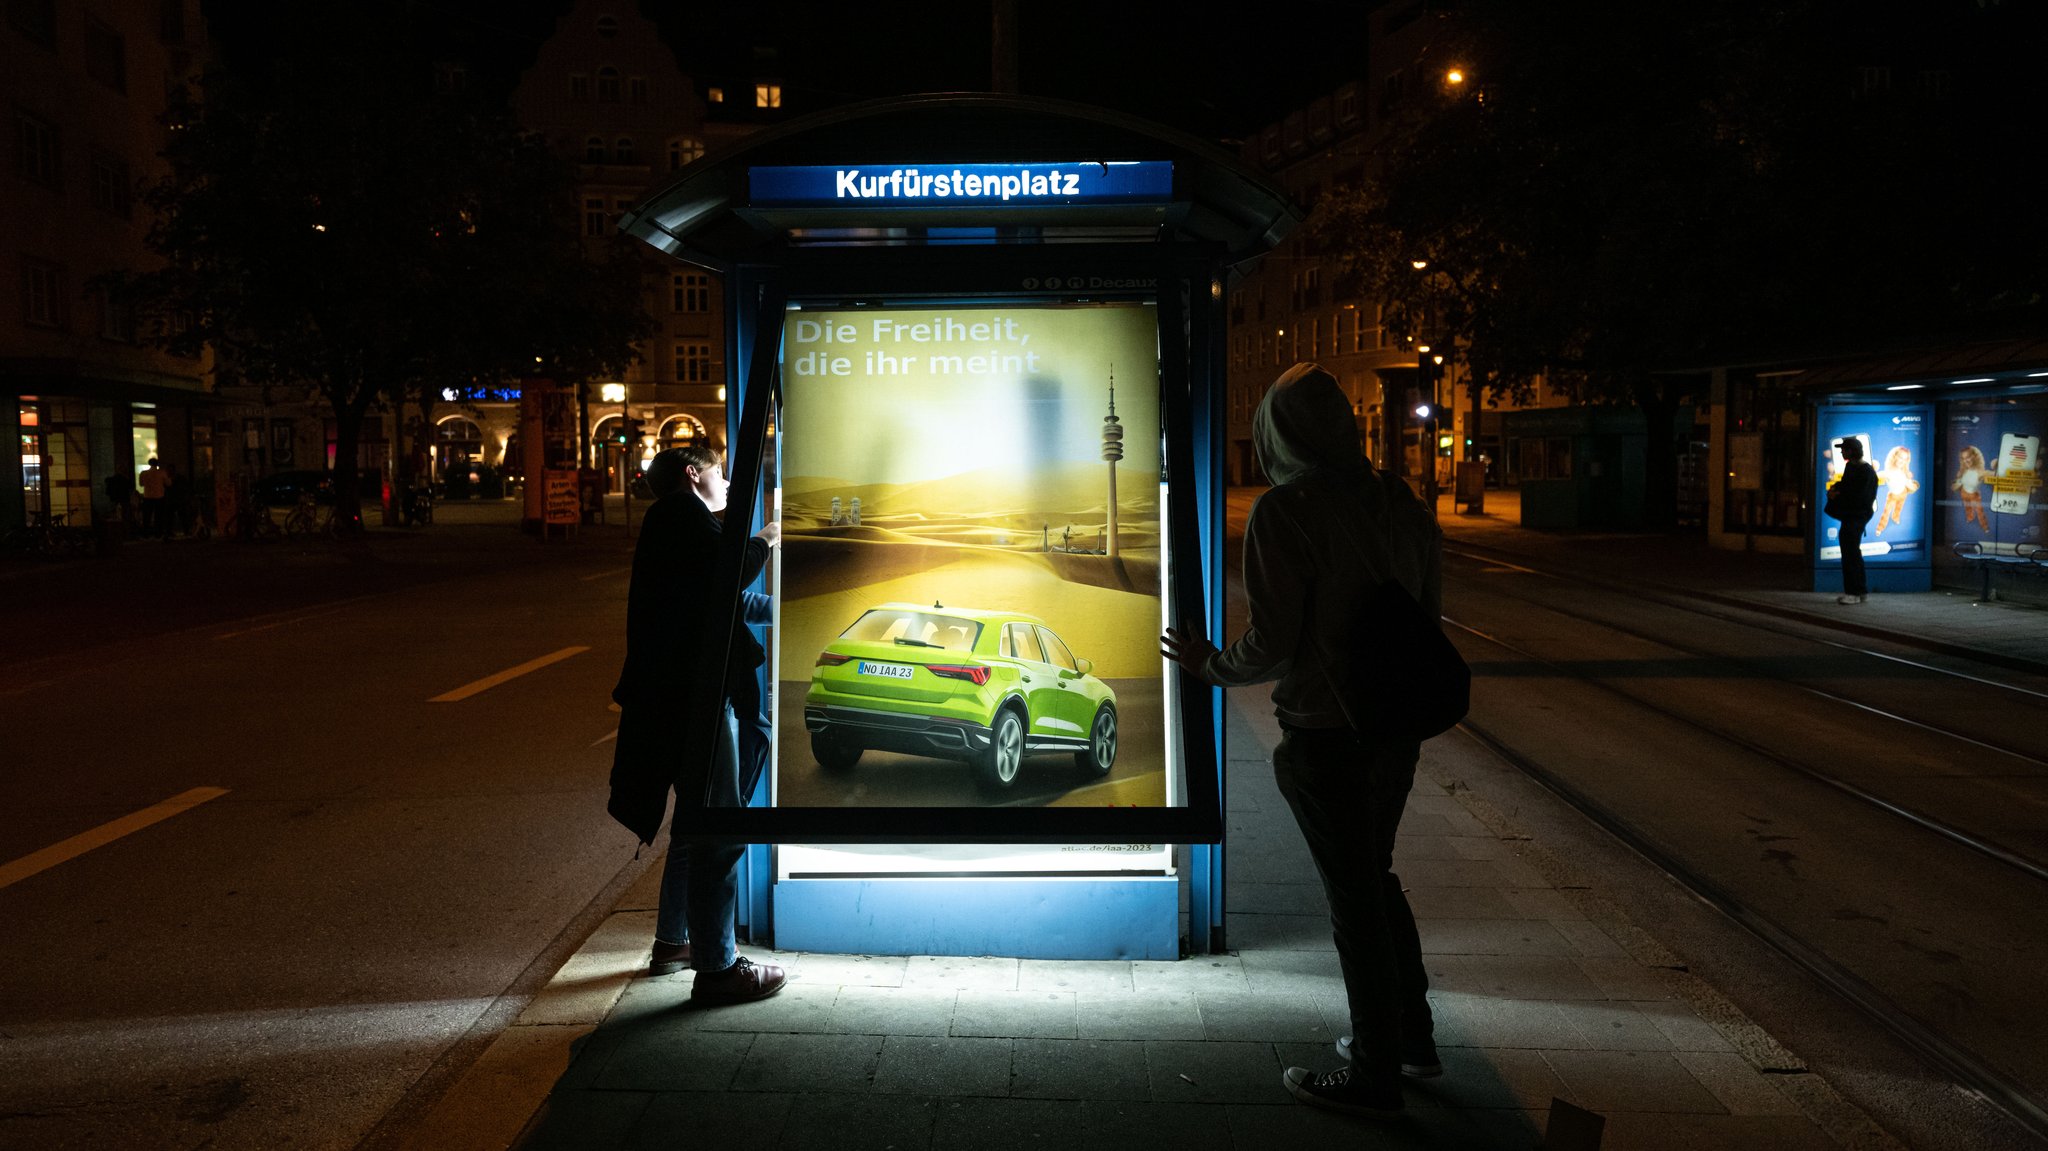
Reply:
x=1048, y=496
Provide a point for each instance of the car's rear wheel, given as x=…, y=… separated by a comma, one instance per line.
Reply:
x=1101, y=753
x=997, y=768
x=833, y=751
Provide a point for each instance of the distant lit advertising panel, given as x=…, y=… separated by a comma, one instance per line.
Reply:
x=1036, y=185
x=1897, y=442
x=970, y=578
x=1990, y=494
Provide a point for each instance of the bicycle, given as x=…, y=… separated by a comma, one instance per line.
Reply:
x=251, y=523
x=304, y=518
x=45, y=536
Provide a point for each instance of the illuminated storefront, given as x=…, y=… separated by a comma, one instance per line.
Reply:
x=980, y=385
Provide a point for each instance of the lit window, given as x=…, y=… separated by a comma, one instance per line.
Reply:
x=767, y=95
x=715, y=95
x=608, y=85
x=693, y=362
x=682, y=150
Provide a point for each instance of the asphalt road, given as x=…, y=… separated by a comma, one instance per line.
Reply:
x=357, y=873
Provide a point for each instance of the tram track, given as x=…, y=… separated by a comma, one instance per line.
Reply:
x=1964, y=1066
x=1969, y=840
x=1877, y=998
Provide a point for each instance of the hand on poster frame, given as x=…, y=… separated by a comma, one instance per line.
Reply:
x=770, y=533
x=1189, y=651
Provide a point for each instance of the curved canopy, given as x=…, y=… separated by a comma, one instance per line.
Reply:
x=705, y=215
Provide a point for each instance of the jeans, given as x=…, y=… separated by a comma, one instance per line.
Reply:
x=700, y=881
x=1347, y=795
x=1851, y=535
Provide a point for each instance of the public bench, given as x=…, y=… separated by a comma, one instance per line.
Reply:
x=2020, y=559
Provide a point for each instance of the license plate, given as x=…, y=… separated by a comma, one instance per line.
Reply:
x=886, y=670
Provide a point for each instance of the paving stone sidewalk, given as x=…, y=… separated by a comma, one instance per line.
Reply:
x=1542, y=993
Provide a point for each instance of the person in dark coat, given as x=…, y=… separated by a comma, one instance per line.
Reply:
x=670, y=622
x=1855, y=497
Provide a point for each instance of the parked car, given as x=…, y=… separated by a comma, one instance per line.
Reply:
x=282, y=489
x=986, y=688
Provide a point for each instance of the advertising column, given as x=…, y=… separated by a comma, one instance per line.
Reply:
x=1898, y=541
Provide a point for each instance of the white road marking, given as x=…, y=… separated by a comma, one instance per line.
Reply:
x=104, y=834
x=490, y=681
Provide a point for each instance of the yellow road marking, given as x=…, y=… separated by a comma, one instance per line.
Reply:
x=104, y=834
x=491, y=681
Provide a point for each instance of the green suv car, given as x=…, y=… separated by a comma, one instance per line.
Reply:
x=984, y=687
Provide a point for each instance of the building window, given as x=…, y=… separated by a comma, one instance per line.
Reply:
x=117, y=317
x=608, y=85
x=42, y=303
x=35, y=152
x=106, y=55
x=624, y=151
x=450, y=79
x=607, y=26
x=693, y=362
x=35, y=19
x=579, y=88
x=715, y=95
x=1335, y=318
x=636, y=89
x=593, y=150
x=170, y=21
x=682, y=150
x=594, y=218
x=690, y=292
x=110, y=187
x=767, y=95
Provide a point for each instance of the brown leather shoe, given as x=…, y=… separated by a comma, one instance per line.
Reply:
x=744, y=981
x=669, y=958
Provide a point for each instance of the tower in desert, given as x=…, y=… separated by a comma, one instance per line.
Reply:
x=1112, y=451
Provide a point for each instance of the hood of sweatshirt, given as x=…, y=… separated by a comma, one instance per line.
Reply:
x=1305, y=425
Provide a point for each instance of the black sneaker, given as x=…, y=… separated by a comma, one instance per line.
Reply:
x=1343, y=1093
x=1418, y=1065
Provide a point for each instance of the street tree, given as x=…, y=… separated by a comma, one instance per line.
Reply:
x=1609, y=199
x=329, y=222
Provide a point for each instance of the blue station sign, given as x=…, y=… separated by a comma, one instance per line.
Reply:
x=961, y=185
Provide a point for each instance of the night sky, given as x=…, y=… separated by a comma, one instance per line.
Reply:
x=1215, y=78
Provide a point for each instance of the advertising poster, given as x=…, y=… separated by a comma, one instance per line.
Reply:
x=1895, y=442
x=1991, y=494
x=970, y=578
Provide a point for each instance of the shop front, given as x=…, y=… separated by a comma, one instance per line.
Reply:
x=977, y=346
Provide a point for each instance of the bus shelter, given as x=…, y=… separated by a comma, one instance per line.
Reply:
x=977, y=346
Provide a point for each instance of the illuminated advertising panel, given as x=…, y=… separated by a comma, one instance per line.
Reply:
x=1990, y=493
x=970, y=586
x=1895, y=442
x=970, y=577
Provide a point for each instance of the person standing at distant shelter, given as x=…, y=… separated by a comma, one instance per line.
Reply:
x=1330, y=530
x=156, y=490
x=1851, y=500
x=673, y=643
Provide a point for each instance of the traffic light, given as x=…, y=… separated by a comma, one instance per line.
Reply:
x=629, y=431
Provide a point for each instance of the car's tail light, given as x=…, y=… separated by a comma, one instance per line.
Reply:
x=832, y=659
x=968, y=671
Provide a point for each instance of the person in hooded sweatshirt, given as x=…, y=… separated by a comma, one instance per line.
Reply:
x=1329, y=530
